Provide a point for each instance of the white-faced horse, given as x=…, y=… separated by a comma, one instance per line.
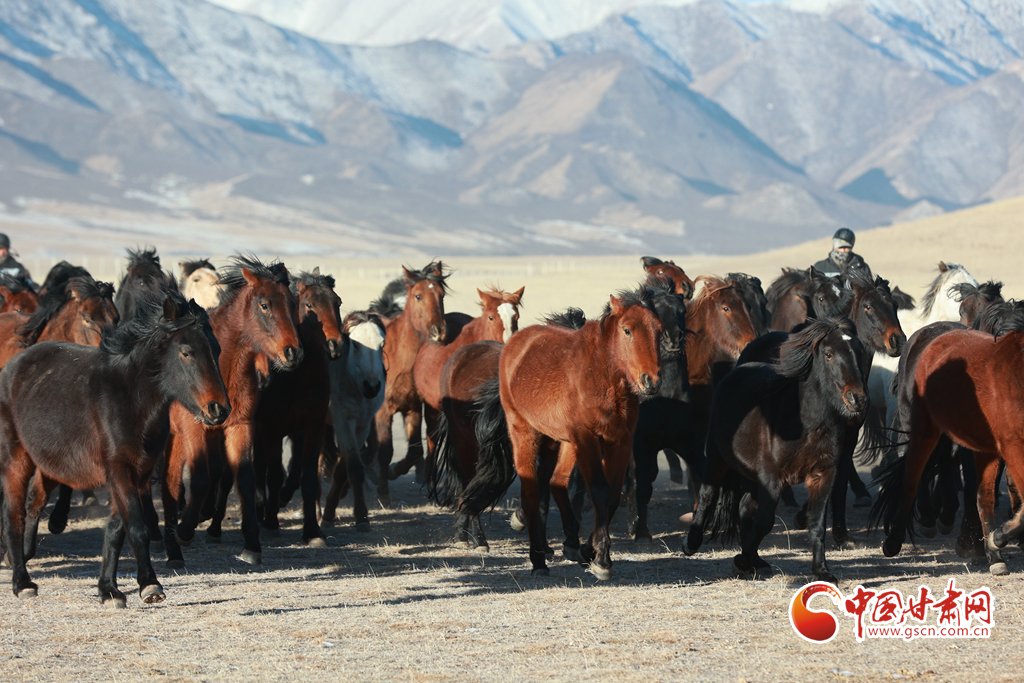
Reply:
x=357, y=393
x=199, y=281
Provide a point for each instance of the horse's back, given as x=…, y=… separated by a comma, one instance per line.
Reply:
x=468, y=368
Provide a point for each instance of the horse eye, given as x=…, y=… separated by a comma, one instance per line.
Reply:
x=661, y=272
x=725, y=308
x=490, y=317
x=264, y=306
x=309, y=306
x=419, y=298
x=186, y=355
x=628, y=333
x=867, y=308
x=828, y=356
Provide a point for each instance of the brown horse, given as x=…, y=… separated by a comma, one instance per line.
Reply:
x=18, y=296
x=78, y=311
x=570, y=399
x=256, y=318
x=656, y=268
x=295, y=404
x=797, y=295
x=421, y=319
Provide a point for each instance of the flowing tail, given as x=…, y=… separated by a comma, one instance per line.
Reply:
x=443, y=481
x=495, y=469
x=724, y=522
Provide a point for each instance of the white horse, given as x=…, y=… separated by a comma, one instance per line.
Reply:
x=939, y=303
x=199, y=281
x=357, y=393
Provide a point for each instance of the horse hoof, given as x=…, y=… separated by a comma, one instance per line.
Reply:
x=891, y=548
x=862, y=502
x=462, y=545
x=827, y=577
x=362, y=527
x=157, y=548
x=685, y=520
x=944, y=529
x=800, y=521
x=571, y=554
x=152, y=594
x=317, y=542
x=516, y=521
x=56, y=526
x=540, y=571
x=643, y=537
x=392, y=472
x=600, y=573
x=115, y=603
x=251, y=557
x=90, y=501
x=175, y=564
x=997, y=569
x=549, y=554
x=26, y=593
x=183, y=542
x=482, y=549
x=846, y=543
x=928, y=531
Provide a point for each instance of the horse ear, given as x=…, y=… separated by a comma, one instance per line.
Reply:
x=250, y=277
x=408, y=275
x=300, y=286
x=438, y=268
x=316, y=271
x=170, y=309
x=518, y=295
x=617, y=306
x=943, y=267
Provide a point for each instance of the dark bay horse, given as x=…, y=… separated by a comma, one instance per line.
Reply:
x=143, y=274
x=778, y=424
x=754, y=297
x=656, y=268
x=570, y=399
x=421, y=319
x=295, y=404
x=967, y=385
x=18, y=296
x=357, y=393
x=88, y=417
x=255, y=320
x=797, y=295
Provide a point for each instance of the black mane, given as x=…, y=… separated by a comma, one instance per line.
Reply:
x=990, y=291
x=1000, y=318
x=797, y=353
x=15, y=284
x=314, y=279
x=149, y=323
x=391, y=301
x=435, y=271
x=55, y=298
x=790, y=278
x=643, y=296
x=59, y=275
x=189, y=267
x=572, y=318
x=234, y=282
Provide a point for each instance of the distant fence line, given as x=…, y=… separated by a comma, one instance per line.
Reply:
x=112, y=268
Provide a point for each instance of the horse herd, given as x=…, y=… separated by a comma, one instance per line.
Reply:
x=195, y=383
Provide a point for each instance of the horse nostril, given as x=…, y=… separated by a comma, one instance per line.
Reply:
x=291, y=355
x=370, y=389
x=333, y=348
x=217, y=411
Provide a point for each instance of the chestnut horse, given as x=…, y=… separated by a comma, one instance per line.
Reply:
x=969, y=386
x=797, y=295
x=422, y=318
x=255, y=319
x=657, y=268
x=295, y=404
x=85, y=417
x=570, y=399
x=18, y=295
x=357, y=393
x=199, y=281
x=780, y=423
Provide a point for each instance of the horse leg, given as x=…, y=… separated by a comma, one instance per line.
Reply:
x=293, y=481
x=577, y=494
x=156, y=538
x=840, y=533
x=593, y=461
x=16, y=476
x=675, y=466
x=385, y=451
x=1013, y=456
x=127, y=503
x=113, y=540
x=788, y=499
x=949, y=494
x=527, y=448
x=268, y=456
x=559, y=487
x=40, y=489
x=989, y=464
x=970, y=544
x=220, y=491
x=238, y=444
x=414, y=452
x=923, y=439
x=715, y=470
x=757, y=522
x=356, y=478
x=61, y=508
x=645, y=468
x=860, y=490
x=818, y=488
x=306, y=446
x=172, y=492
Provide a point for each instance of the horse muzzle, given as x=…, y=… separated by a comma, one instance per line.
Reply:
x=895, y=343
x=334, y=347
x=370, y=389
x=438, y=333
x=649, y=386
x=292, y=357
x=215, y=413
x=856, y=402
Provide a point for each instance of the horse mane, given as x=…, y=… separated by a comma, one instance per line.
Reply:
x=712, y=285
x=989, y=291
x=189, y=267
x=904, y=302
x=506, y=297
x=357, y=318
x=1000, y=318
x=149, y=325
x=649, y=261
x=572, y=318
x=641, y=296
x=791, y=277
x=856, y=278
x=314, y=279
x=391, y=301
x=59, y=275
x=743, y=279
x=54, y=299
x=435, y=271
x=928, y=300
x=796, y=355
x=15, y=284
x=234, y=282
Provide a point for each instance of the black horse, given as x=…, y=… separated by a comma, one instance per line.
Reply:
x=142, y=275
x=86, y=417
x=774, y=424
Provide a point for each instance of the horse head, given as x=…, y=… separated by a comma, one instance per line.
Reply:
x=199, y=281
x=753, y=296
x=363, y=352
x=721, y=314
x=873, y=310
x=17, y=296
x=315, y=296
x=89, y=312
x=671, y=309
x=635, y=335
x=828, y=354
x=973, y=299
x=502, y=312
x=655, y=267
x=424, y=305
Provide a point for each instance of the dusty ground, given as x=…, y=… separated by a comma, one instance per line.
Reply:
x=399, y=603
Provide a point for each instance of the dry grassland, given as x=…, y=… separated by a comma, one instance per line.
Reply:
x=400, y=604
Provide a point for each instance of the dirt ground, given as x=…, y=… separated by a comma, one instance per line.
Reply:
x=399, y=603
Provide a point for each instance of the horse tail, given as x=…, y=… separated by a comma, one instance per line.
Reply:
x=495, y=469
x=443, y=482
x=890, y=494
x=875, y=438
x=724, y=521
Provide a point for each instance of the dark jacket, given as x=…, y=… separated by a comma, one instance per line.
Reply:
x=9, y=266
x=833, y=269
